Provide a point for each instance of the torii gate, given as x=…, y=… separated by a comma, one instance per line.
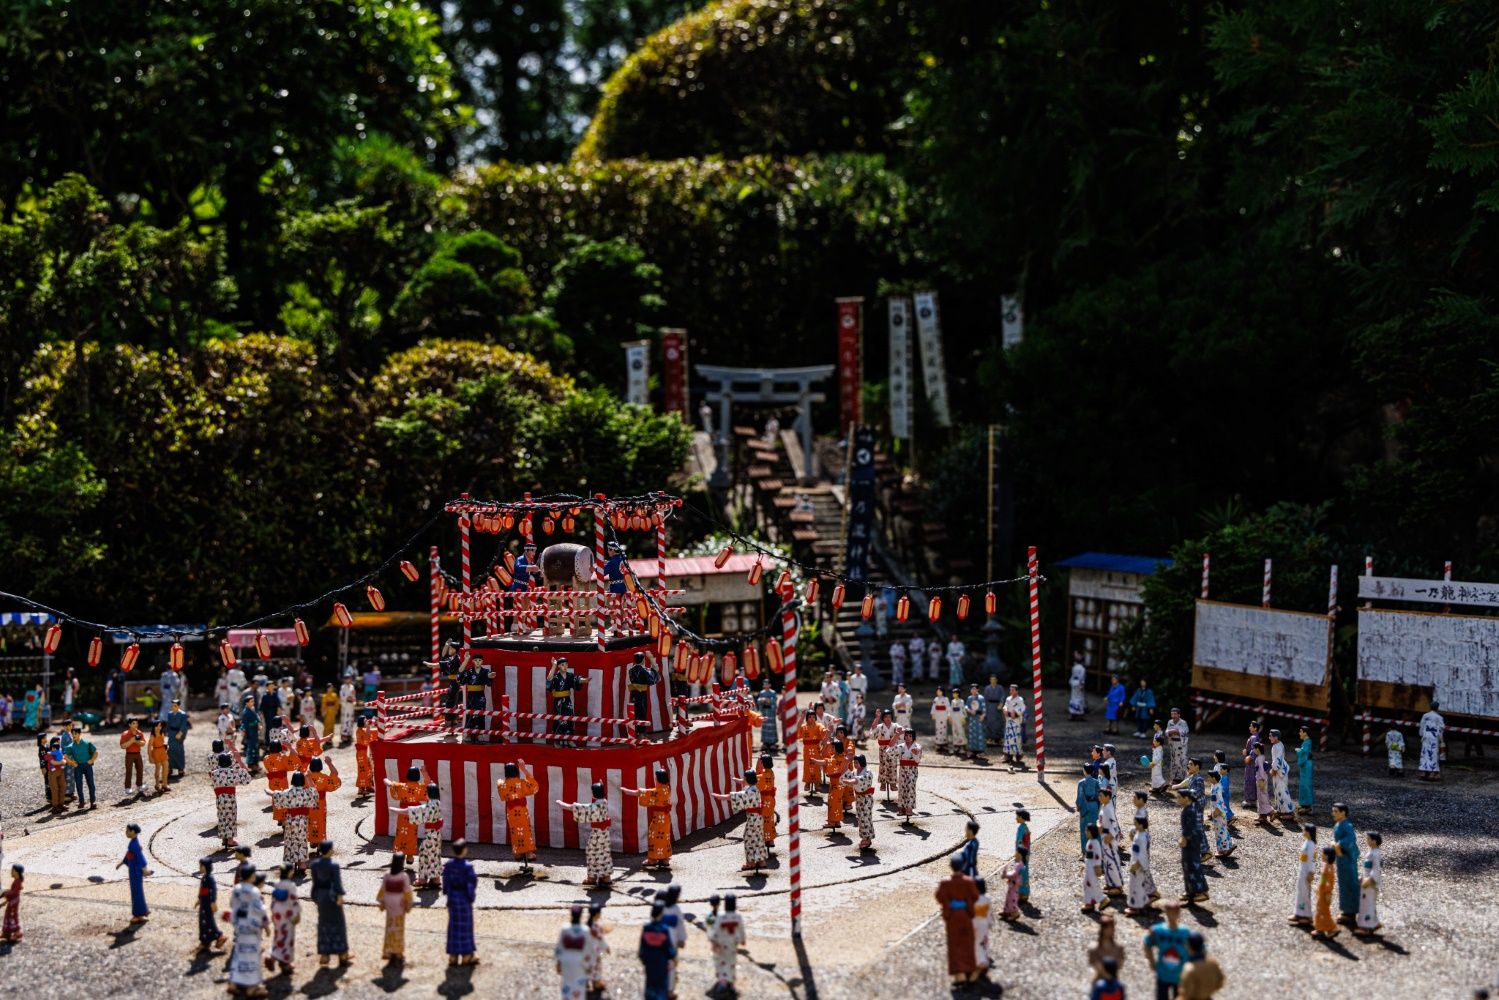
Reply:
x=764, y=385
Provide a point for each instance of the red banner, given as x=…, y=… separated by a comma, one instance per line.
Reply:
x=674, y=372
x=850, y=361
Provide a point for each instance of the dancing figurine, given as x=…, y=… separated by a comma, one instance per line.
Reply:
x=515, y=790
x=322, y=782
x=657, y=803
x=861, y=782
x=561, y=685
x=460, y=884
x=297, y=803
x=597, y=852
x=227, y=776
x=411, y=792
x=364, y=764
x=884, y=737
x=747, y=801
x=286, y=914
x=427, y=818
x=328, y=895
x=765, y=781
x=278, y=764
x=838, y=792
x=909, y=759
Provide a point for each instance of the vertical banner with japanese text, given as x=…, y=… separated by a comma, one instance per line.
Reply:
x=1014, y=320
x=900, y=367
x=850, y=361
x=674, y=371
x=861, y=483
x=637, y=371
x=933, y=373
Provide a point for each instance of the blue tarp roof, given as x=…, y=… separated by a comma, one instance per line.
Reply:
x=25, y=618
x=1144, y=565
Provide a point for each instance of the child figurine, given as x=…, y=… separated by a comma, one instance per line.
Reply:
x=1306, y=876
x=328, y=894
x=460, y=883
x=657, y=954
x=861, y=782
x=940, y=709
x=135, y=862
x=210, y=938
x=1157, y=760
x=1394, y=745
x=228, y=774
x=10, y=929
x=1014, y=873
x=395, y=898
x=747, y=801
x=1323, y=924
x=297, y=802
x=1141, y=885
x=515, y=790
x=597, y=852
x=657, y=803
x=1023, y=850
x=286, y=914
x=1093, y=894
x=725, y=935
x=957, y=895
x=981, y=928
x=1194, y=882
x=572, y=943
x=248, y=918
x=598, y=947
x=1368, y=896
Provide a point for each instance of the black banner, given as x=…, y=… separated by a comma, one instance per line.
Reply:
x=861, y=484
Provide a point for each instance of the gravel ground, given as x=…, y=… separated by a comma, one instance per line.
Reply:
x=1441, y=938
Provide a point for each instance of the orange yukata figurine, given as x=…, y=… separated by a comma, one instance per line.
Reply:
x=309, y=748
x=811, y=734
x=278, y=764
x=515, y=788
x=765, y=781
x=1323, y=924
x=657, y=804
x=324, y=782
x=411, y=792
x=364, y=773
x=837, y=790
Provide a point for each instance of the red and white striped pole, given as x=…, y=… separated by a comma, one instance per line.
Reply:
x=1447, y=571
x=661, y=554
x=598, y=565
x=436, y=576
x=1204, y=576
x=1368, y=571
x=467, y=569
x=1032, y=569
x=793, y=769
x=1332, y=592
x=1265, y=592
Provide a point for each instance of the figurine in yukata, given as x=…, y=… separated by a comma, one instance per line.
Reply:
x=1250, y=788
x=1217, y=812
x=596, y=949
x=364, y=763
x=328, y=896
x=1086, y=803
x=249, y=725
x=884, y=736
x=981, y=920
x=1141, y=885
x=1143, y=704
x=297, y=802
x=515, y=790
x=411, y=792
x=767, y=703
x=1093, y=894
x=562, y=685
x=1077, y=704
x=1014, y=873
x=323, y=778
x=1306, y=876
x=994, y=722
x=975, y=708
x=657, y=802
x=278, y=764
x=1431, y=727
x=1114, y=703
x=1014, y=737
x=427, y=818
x=1323, y=924
x=1194, y=882
x=1156, y=761
x=1176, y=731
x=671, y=916
x=956, y=895
x=765, y=782
x=460, y=884
x=135, y=863
x=838, y=793
x=251, y=923
x=286, y=914
x=1345, y=845
x=395, y=898
x=860, y=784
x=1264, y=799
x=10, y=927
x=657, y=954
x=747, y=801
x=940, y=714
x=1280, y=778
x=1023, y=849
x=210, y=937
x=1108, y=836
x=909, y=761
x=969, y=849
x=177, y=725
x=1373, y=881
x=228, y=775
x=1220, y=765
x=1304, y=771
x=903, y=706
x=1394, y=745
x=568, y=953
x=725, y=936
x=594, y=816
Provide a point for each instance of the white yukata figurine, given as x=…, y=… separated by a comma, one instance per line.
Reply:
x=1306, y=876
x=917, y=648
x=1093, y=894
x=901, y=705
x=981, y=920
x=725, y=936
x=1141, y=885
x=1112, y=840
x=346, y=701
x=251, y=923
x=747, y=801
x=1077, y=704
x=572, y=942
x=909, y=763
x=1394, y=745
x=1280, y=776
x=934, y=660
x=597, y=852
x=1432, y=728
x=1223, y=843
x=228, y=774
x=939, y=720
x=1369, y=886
x=897, y=663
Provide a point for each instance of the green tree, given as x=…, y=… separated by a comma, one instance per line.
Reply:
x=604, y=293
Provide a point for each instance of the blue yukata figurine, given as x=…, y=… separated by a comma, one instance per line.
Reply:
x=1143, y=702
x=1304, y=771
x=177, y=725
x=1194, y=882
x=969, y=852
x=460, y=883
x=249, y=724
x=1113, y=706
x=614, y=570
x=1023, y=848
x=1345, y=843
x=521, y=580
x=209, y=935
x=657, y=954
x=1087, y=803
x=135, y=862
x=768, y=704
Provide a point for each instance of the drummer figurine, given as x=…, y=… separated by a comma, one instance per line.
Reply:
x=614, y=573
x=521, y=576
x=475, y=679
x=561, y=683
x=643, y=677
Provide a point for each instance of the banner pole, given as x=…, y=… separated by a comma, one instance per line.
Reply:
x=1032, y=571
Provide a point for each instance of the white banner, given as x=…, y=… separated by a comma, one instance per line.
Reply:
x=900, y=367
x=1014, y=320
x=933, y=373
x=1457, y=656
x=1264, y=642
x=637, y=371
x=1394, y=588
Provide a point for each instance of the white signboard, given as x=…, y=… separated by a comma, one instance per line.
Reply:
x=637, y=371
x=1014, y=320
x=1457, y=656
x=933, y=371
x=900, y=367
x=1394, y=588
x=1263, y=642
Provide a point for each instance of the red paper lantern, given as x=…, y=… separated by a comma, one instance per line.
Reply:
x=548, y=526
x=755, y=573
x=300, y=627
x=510, y=560
x=990, y=603
x=902, y=608
x=568, y=524
x=642, y=608
x=226, y=653
x=377, y=599
x=751, y=662
x=812, y=591
x=262, y=645
x=663, y=644
x=730, y=664
x=866, y=608
x=653, y=625
x=725, y=670
x=723, y=557
x=409, y=571
x=784, y=580
x=52, y=639
x=503, y=575
x=507, y=521
x=838, y=593
x=95, y=650
x=934, y=609
x=341, y=615
x=176, y=657
x=775, y=657
x=128, y=658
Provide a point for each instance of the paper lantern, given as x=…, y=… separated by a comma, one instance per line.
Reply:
x=642, y=608
x=52, y=639
x=934, y=609
x=663, y=644
x=300, y=627
x=95, y=650
x=176, y=657
x=510, y=560
x=503, y=575
x=262, y=645
x=653, y=625
x=680, y=659
x=723, y=556
x=341, y=615
x=784, y=580
x=226, y=653
x=695, y=669
x=838, y=593
x=775, y=657
x=631, y=583
x=812, y=591
x=128, y=658
x=409, y=571
x=725, y=670
x=525, y=526
x=751, y=662
x=990, y=603
x=962, y=607
x=755, y=573
x=548, y=526
x=730, y=664
x=507, y=521
x=568, y=524
x=866, y=609
x=903, y=608
x=377, y=599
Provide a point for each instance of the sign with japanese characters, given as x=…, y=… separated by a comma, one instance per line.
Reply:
x=1394, y=588
x=861, y=486
x=674, y=371
x=900, y=367
x=933, y=369
x=1013, y=321
x=1263, y=642
x=1456, y=656
x=637, y=371
x=850, y=361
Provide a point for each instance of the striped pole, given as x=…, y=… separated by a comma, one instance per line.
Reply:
x=598, y=566
x=661, y=554
x=1265, y=592
x=1332, y=592
x=1204, y=576
x=1032, y=569
x=1368, y=731
x=1368, y=571
x=1447, y=571
x=436, y=575
x=463, y=526
x=793, y=770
